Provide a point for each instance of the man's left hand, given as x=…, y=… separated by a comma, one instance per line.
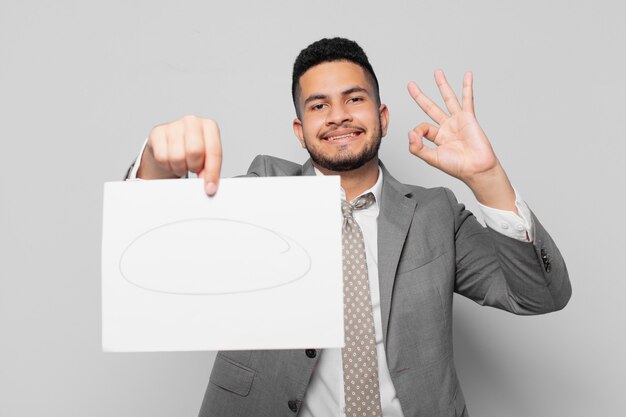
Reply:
x=462, y=148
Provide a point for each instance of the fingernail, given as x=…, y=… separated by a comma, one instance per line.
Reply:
x=211, y=188
x=412, y=137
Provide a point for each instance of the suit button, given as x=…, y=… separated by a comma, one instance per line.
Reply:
x=293, y=405
x=311, y=353
x=547, y=265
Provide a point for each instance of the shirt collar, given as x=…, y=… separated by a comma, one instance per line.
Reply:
x=376, y=189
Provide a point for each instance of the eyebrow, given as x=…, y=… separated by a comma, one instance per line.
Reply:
x=351, y=90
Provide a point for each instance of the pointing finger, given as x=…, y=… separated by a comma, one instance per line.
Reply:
x=212, y=156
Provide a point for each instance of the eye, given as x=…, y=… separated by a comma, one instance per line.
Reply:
x=355, y=99
x=318, y=106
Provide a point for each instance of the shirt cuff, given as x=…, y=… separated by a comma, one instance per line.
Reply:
x=508, y=223
x=132, y=175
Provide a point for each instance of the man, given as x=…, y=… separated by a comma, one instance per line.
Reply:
x=417, y=246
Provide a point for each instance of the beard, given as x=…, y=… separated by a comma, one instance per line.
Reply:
x=346, y=160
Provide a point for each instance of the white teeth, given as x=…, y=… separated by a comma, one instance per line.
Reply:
x=342, y=136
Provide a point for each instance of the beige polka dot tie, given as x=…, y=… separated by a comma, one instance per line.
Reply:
x=360, y=363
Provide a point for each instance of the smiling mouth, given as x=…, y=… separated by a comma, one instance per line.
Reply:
x=345, y=137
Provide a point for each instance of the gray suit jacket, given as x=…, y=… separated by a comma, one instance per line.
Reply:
x=429, y=247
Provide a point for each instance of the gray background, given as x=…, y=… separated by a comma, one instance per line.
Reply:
x=82, y=84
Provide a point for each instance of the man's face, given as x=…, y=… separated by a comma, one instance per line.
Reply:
x=341, y=124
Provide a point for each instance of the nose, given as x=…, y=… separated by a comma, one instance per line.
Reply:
x=338, y=115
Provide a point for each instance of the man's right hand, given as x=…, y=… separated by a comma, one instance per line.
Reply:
x=188, y=144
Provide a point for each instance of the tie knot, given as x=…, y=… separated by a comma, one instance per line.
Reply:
x=360, y=203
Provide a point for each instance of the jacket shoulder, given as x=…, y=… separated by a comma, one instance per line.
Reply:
x=271, y=166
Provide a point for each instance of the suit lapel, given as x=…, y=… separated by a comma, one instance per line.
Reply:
x=394, y=220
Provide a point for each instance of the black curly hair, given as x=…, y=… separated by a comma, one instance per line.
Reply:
x=329, y=50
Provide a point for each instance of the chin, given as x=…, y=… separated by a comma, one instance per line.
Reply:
x=342, y=163
x=345, y=159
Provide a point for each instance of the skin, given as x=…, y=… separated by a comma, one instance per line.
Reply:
x=188, y=144
x=463, y=149
x=336, y=97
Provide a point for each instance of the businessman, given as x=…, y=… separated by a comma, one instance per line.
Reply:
x=406, y=249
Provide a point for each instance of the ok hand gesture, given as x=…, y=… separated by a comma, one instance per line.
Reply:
x=462, y=150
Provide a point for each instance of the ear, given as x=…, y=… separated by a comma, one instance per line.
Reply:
x=384, y=118
x=297, y=129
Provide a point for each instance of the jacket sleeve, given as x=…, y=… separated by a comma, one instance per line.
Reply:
x=498, y=271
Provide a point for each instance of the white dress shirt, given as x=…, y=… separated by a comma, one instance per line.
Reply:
x=325, y=396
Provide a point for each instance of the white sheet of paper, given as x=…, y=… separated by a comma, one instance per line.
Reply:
x=257, y=266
